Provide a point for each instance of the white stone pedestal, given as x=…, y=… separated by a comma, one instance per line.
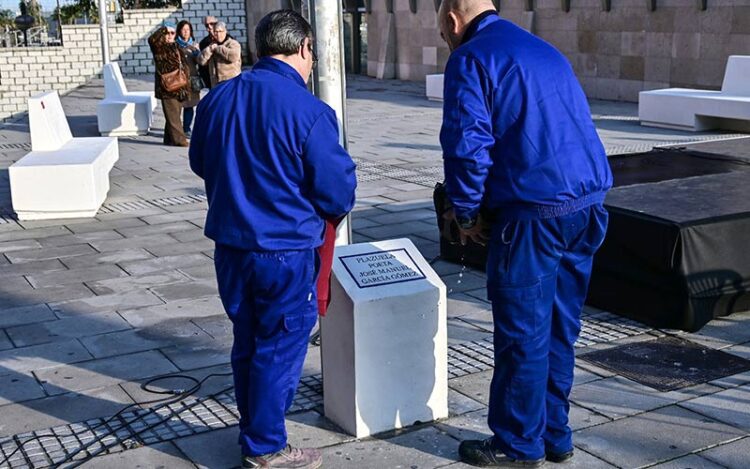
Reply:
x=384, y=339
x=434, y=87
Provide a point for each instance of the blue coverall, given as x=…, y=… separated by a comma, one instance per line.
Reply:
x=274, y=170
x=518, y=140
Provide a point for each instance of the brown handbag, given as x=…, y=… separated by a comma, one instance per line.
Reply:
x=176, y=79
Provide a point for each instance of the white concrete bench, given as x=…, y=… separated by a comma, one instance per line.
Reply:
x=434, y=86
x=62, y=177
x=697, y=110
x=123, y=112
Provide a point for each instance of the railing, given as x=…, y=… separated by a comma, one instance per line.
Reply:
x=38, y=36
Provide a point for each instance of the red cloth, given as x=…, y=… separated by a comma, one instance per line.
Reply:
x=325, y=253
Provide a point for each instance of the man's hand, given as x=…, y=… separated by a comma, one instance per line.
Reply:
x=479, y=233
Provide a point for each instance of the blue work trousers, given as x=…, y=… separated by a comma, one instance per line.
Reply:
x=538, y=273
x=271, y=300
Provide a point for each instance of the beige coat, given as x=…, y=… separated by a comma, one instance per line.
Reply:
x=224, y=62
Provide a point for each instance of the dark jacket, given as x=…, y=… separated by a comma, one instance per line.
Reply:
x=270, y=156
x=517, y=133
x=167, y=58
x=203, y=70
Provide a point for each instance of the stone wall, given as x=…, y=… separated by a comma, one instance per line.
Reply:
x=615, y=53
x=28, y=71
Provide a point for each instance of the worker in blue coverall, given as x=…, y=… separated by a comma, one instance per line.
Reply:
x=519, y=144
x=274, y=171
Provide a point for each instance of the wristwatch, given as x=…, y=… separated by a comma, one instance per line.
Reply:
x=466, y=223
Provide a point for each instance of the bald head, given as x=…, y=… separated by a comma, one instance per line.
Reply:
x=455, y=16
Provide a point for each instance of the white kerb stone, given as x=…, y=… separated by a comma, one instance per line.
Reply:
x=384, y=339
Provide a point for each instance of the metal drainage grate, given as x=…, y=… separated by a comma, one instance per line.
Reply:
x=669, y=363
x=130, y=206
x=15, y=146
x=424, y=176
x=189, y=417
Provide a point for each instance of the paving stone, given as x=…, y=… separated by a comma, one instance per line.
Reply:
x=188, y=290
x=19, y=387
x=446, y=268
x=25, y=315
x=618, y=397
x=12, y=286
x=216, y=449
x=86, y=274
x=692, y=461
x=98, y=225
x=5, y=342
x=462, y=282
x=203, y=307
x=471, y=426
x=12, y=270
x=398, y=230
x=406, y=216
x=475, y=386
x=213, y=385
x=42, y=356
x=112, y=257
x=136, y=283
x=210, y=353
x=81, y=238
x=72, y=407
x=103, y=372
x=580, y=418
x=582, y=376
x=218, y=327
x=137, y=242
x=653, y=437
x=460, y=331
x=65, y=329
x=159, y=456
x=729, y=406
x=19, y=245
x=164, y=263
x=459, y=404
x=425, y=448
x=182, y=248
x=164, y=334
x=29, y=255
x=36, y=233
x=189, y=236
x=103, y=303
x=197, y=212
x=150, y=230
x=732, y=455
x=312, y=430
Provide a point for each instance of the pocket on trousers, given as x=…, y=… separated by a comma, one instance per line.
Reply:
x=516, y=311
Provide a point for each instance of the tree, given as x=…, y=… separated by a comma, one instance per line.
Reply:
x=34, y=9
x=7, y=18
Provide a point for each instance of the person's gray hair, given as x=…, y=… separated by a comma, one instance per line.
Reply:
x=220, y=25
x=281, y=32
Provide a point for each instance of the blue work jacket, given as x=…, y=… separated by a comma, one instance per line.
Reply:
x=517, y=133
x=269, y=154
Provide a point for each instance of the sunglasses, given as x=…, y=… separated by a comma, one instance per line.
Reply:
x=171, y=33
x=312, y=52
x=210, y=24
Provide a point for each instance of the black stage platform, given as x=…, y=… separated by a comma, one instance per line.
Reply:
x=677, y=252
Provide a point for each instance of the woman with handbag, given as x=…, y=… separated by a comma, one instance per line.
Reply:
x=172, y=81
x=190, y=52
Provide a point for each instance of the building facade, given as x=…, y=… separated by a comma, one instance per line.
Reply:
x=616, y=47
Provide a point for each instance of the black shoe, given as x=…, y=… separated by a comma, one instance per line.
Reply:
x=481, y=453
x=560, y=457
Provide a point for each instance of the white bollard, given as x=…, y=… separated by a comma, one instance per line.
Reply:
x=384, y=339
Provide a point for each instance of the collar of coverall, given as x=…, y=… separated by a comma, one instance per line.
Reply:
x=277, y=66
x=475, y=24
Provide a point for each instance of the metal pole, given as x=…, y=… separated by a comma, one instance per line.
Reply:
x=104, y=32
x=330, y=78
